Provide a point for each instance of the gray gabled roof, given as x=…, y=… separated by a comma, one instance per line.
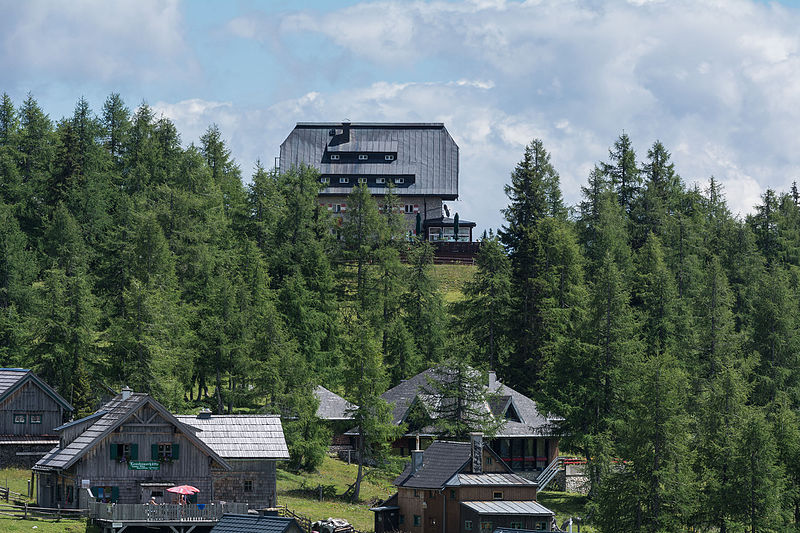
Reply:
x=532, y=422
x=488, y=479
x=11, y=379
x=242, y=523
x=425, y=151
x=117, y=411
x=241, y=436
x=506, y=507
x=332, y=406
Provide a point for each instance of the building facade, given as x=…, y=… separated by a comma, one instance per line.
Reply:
x=29, y=411
x=419, y=160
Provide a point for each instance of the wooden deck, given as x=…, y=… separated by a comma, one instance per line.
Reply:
x=117, y=517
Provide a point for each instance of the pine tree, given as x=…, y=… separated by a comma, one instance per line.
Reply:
x=623, y=172
x=116, y=123
x=424, y=307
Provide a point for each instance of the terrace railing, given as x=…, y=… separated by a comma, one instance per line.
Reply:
x=138, y=512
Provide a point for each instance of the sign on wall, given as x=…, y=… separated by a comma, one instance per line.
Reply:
x=144, y=465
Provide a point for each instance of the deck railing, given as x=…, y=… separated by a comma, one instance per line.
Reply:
x=144, y=512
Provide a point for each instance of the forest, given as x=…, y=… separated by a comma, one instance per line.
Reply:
x=663, y=329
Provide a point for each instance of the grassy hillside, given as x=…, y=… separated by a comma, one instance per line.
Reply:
x=451, y=278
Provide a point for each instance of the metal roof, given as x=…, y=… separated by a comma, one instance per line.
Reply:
x=117, y=411
x=424, y=150
x=242, y=523
x=489, y=478
x=332, y=406
x=505, y=507
x=241, y=436
x=12, y=379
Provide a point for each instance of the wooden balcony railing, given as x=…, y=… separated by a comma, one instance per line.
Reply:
x=138, y=512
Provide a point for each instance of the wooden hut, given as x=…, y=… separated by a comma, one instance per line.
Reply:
x=251, y=445
x=29, y=411
x=130, y=450
x=237, y=523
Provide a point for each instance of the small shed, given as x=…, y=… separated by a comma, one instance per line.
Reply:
x=489, y=515
x=244, y=523
x=29, y=411
x=251, y=445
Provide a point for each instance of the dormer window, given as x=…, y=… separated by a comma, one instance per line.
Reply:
x=362, y=180
x=325, y=181
x=380, y=180
x=389, y=157
x=334, y=157
x=399, y=180
x=363, y=157
x=344, y=180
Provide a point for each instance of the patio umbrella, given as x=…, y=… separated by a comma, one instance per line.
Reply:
x=184, y=489
x=455, y=227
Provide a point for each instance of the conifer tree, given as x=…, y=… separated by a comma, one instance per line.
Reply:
x=623, y=173
x=116, y=123
x=424, y=307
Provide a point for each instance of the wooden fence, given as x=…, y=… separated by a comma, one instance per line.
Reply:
x=29, y=511
x=304, y=521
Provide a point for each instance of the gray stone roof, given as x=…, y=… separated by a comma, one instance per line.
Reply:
x=241, y=436
x=532, y=422
x=332, y=406
x=505, y=507
x=489, y=478
x=241, y=523
x=116, y=412
x=12, y=379
x=425, y=151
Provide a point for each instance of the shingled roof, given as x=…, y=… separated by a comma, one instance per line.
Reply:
x=11, y=379
x=114, y=414
x=240, y=436
x=332, y=406
x=440, y=462
x=531, y=422
x=242, y=523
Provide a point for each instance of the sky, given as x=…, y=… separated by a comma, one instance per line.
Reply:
x=716, y=81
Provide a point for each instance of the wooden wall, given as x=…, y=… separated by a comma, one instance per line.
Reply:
x=505, y=521
x=230, y=485
x=30, y=399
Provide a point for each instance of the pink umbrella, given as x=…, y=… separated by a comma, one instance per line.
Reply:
x=183, y=489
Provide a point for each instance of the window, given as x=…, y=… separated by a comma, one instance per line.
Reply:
x=541, y=526
x=389, y=157
x=409, y=208
x=19, y=418
x=452, y=494
x=36, y=419
x=416, y=493
x=486, y=526
x=363, y=157
x=164, y=451
x=344, y=180
x=488, y=460
x=248, y=485
x=337, y=208
x=516, y=525
x=362, y=180
x=417, y=520
x=325, y=180
x=468, y=525
x=399, y=180
x=334, y=157
x=401, y=519
x=380, y=180
x=497, y=495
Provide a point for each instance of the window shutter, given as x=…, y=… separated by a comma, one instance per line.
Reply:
x=134, y=451
x=154, y=452
x=113, y=448
x=114, y=494
x=175, y=449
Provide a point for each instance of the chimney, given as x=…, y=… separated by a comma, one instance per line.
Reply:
x=476, y=447
x=345, y=132
x=205, y=414
x=416, y=460
x=492, y=380
x=126, y=392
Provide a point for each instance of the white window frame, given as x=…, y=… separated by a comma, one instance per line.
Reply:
x=363, y=157
x=344, y=180
x=326, y=181
x=35, y=418
x=362, y=180
x=380, y=180
x=408, y=209
x=388, y=157
x=399, y=180
x=337, y=208
x=334, y=157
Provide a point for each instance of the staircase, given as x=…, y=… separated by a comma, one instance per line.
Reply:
x=549, y=473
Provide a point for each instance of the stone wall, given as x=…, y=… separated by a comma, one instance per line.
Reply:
x=576, y=479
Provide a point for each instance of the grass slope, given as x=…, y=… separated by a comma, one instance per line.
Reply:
x=451, y=278
x=296, y=491
x=566, y=504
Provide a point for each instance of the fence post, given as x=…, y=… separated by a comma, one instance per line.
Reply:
x=26, y=510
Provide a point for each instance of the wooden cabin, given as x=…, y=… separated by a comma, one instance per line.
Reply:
x=251, y=445
x=460, y=486
x=527, y=441
x=130, y=450
x=29, y=411
x=237, y=523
